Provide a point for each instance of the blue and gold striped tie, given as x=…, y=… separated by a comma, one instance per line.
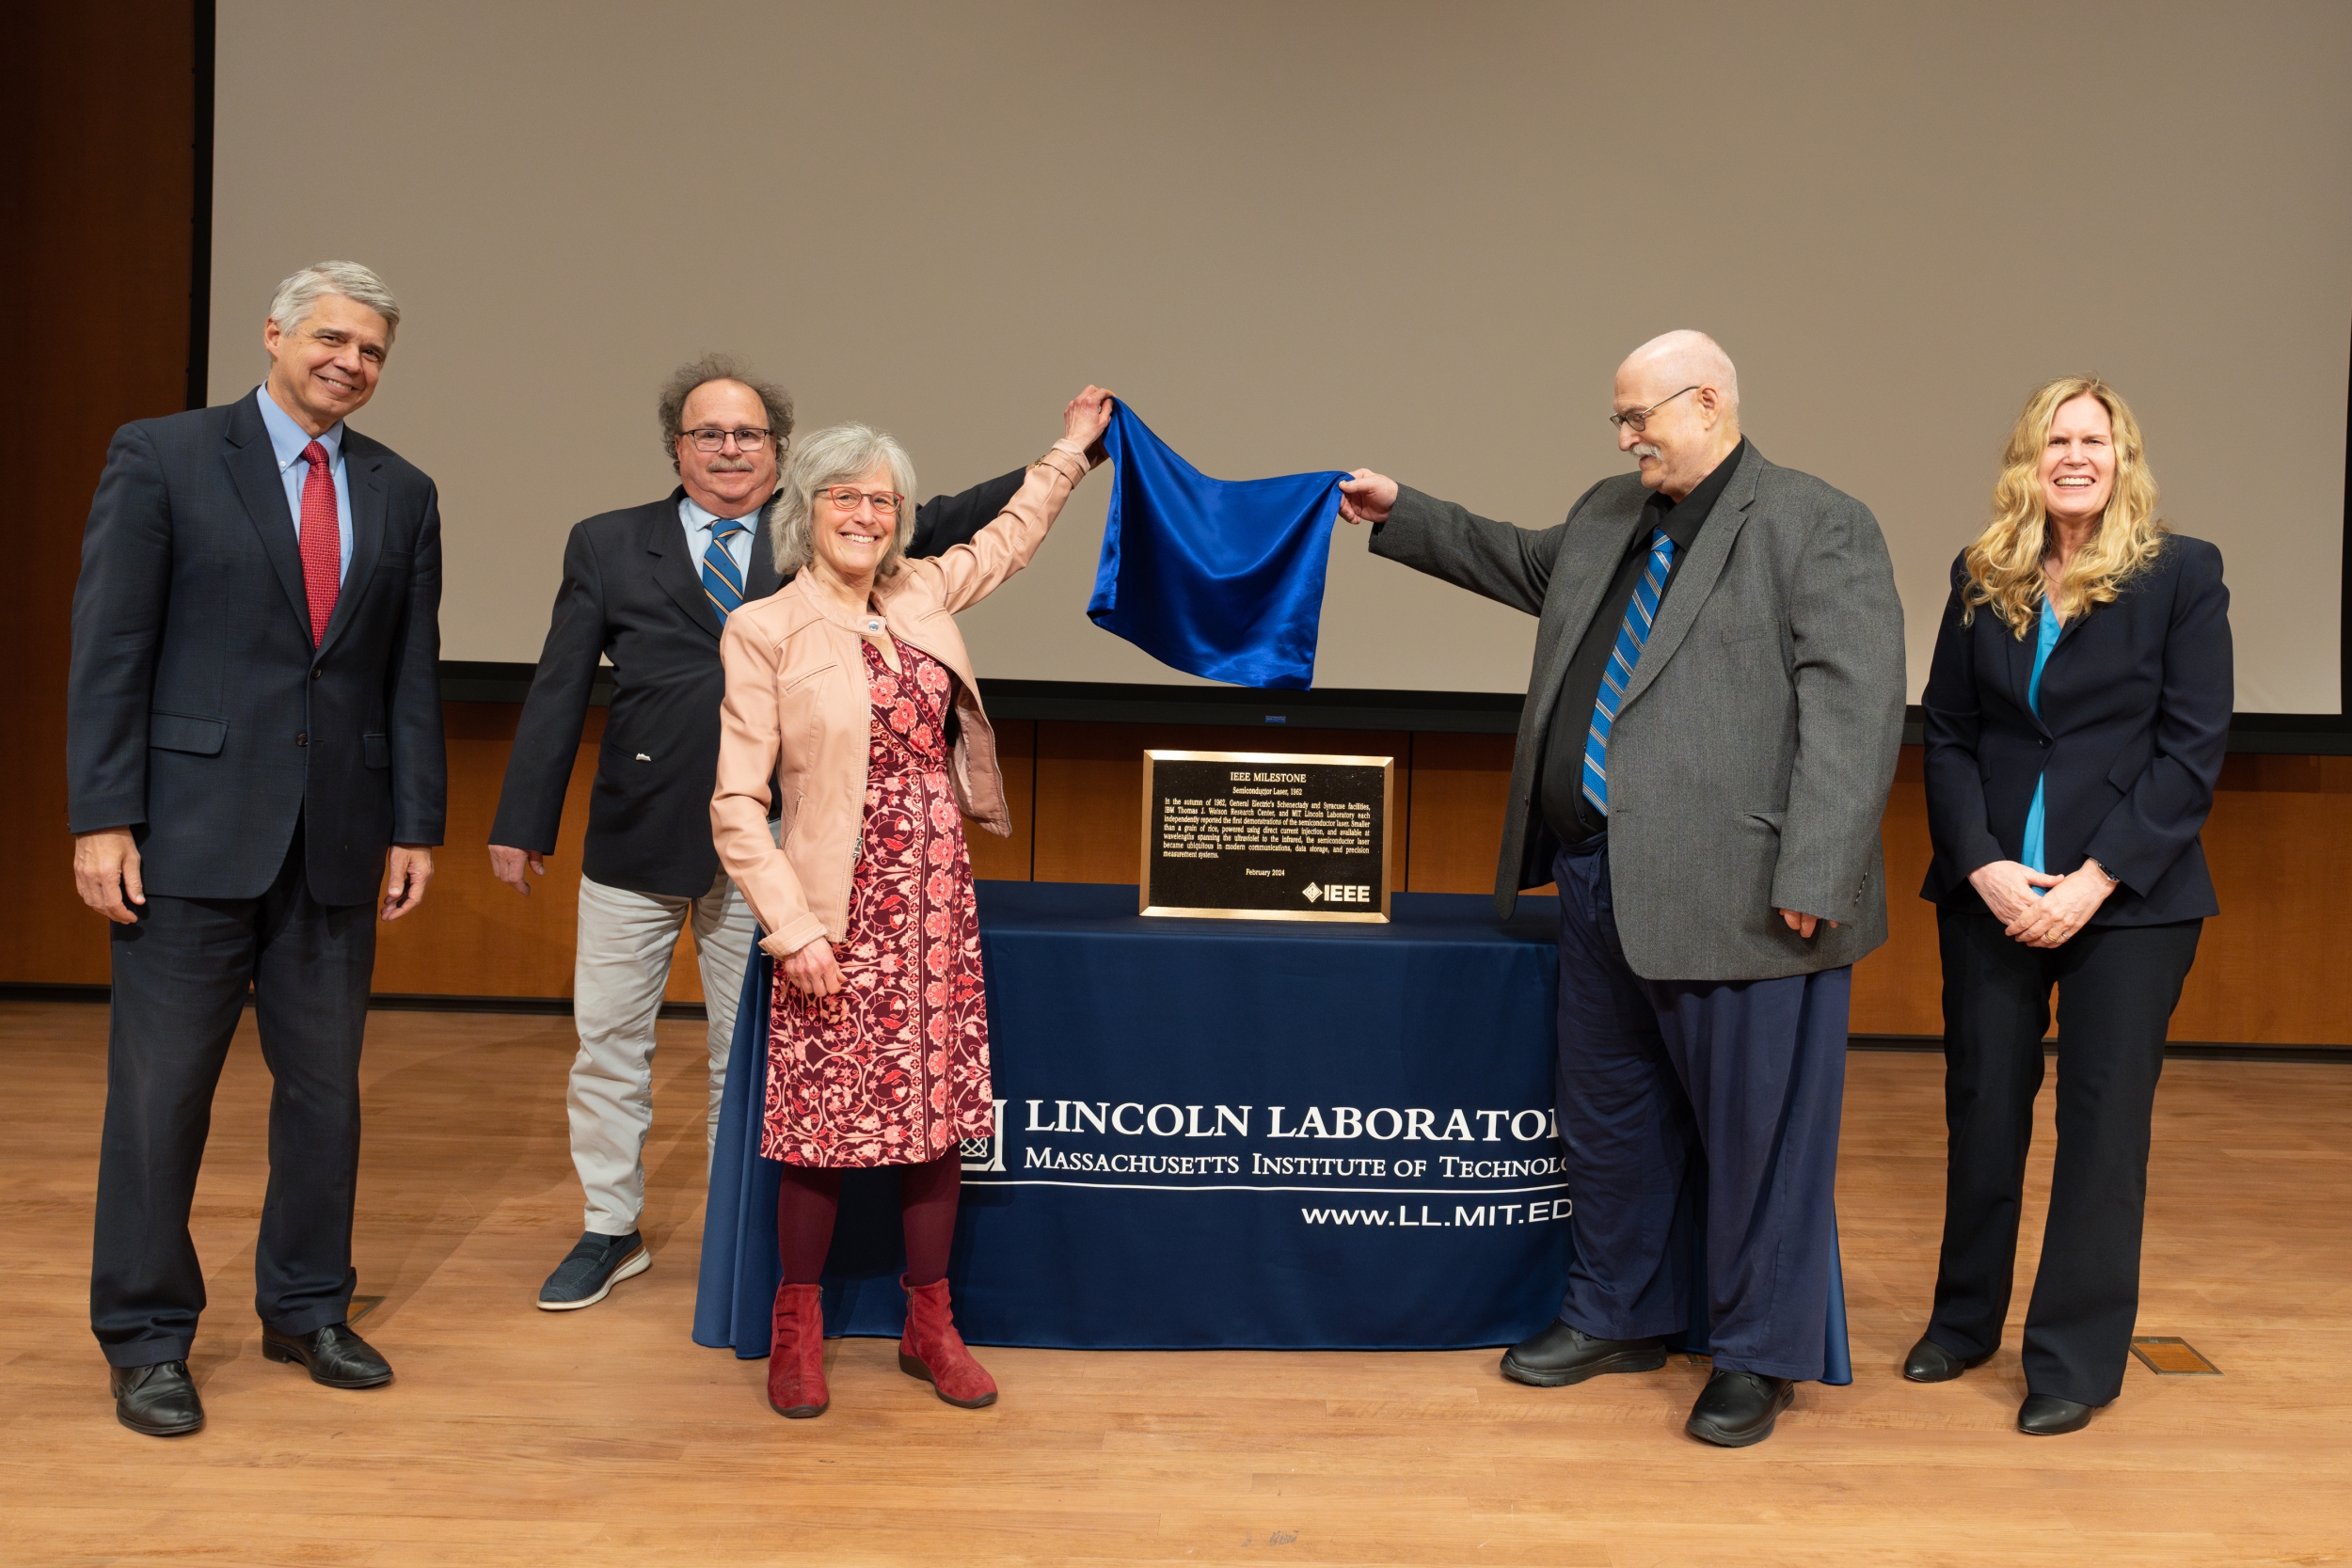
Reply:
x=722, y=580
x=1622, y=658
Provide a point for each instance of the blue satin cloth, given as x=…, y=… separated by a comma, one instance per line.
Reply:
x=1218, y=578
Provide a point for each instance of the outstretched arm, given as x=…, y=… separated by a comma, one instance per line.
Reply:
x=1494, y=560
x=945, y=521
x=972, y=572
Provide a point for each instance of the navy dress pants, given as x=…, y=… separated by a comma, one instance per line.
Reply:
x=1698, y=1117
x=179, y=981
x=2116, y=987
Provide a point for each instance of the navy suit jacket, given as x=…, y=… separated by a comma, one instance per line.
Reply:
x=633, y=594
x=2136, y=703
x=200, y=716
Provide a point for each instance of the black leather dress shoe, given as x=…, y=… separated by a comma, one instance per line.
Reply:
x=1736, y=1409
x=159, y=1399
x=337, y=1357
x=1560, y=1355
x=2048, y=1416
x=1929, y=1362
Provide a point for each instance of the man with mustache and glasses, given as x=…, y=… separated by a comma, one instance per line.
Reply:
x=1710, y=732
x=649, y=590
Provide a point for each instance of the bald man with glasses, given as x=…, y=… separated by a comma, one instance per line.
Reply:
x=1709, y=732
x=647, y=590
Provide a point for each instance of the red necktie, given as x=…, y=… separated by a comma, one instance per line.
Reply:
x=322, y=542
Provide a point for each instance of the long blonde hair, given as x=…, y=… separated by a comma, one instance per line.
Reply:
x=2004, y=562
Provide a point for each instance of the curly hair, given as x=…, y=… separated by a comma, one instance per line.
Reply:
x=670, y=411
x=2004, y=562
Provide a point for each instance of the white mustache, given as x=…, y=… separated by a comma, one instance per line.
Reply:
x=731, y=465
x=1643, y=448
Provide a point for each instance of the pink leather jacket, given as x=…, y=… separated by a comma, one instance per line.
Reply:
x=797, y=708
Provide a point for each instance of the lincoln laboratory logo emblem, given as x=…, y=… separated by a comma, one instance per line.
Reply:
x=1311, y=892
x=986, y=1154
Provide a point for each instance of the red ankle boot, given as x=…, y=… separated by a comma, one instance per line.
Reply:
x=796, y=1359
x=931, y=1350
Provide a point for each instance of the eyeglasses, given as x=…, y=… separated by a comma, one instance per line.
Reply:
x=746, y=440
x=1639, y=419
x=846, y=497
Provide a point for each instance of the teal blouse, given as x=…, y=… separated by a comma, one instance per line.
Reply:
x=2033, y=699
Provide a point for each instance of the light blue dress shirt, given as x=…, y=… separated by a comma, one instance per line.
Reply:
x=697, y=520
x=287, y=439
x=2034, y=831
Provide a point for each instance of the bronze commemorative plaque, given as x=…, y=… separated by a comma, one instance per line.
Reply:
x=1267, y=835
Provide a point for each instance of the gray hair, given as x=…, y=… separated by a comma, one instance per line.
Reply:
x=835, y=456
x=292, y=305
x=687, y=379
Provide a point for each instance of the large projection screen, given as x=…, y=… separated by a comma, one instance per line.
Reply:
x=1408, y=236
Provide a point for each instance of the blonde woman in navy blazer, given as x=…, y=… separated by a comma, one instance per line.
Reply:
x=2076, y=714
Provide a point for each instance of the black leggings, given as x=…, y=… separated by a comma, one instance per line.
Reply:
x=811, y=1196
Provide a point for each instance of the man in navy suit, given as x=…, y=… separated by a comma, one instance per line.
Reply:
x=645, y=592
x=253, y=750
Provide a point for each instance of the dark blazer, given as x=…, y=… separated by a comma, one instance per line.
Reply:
x=1750, y=760
x=198, y=714
x=632, y=594
x=2135, y=702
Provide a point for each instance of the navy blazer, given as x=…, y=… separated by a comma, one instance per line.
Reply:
x=2136, y=703
x=633, y=594
x=197, y=713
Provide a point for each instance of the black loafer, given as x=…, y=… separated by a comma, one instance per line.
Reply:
x=159, y=1399
x=1929, y=1362
x=591, y=1269
x=1561, y=1355
x=1736, y=1409
x=2048, y=1416
x=337, y=1357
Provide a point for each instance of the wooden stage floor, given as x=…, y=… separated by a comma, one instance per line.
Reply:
x=606, y=1437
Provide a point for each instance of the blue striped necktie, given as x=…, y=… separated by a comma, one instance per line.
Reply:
x=1622, y=658
x=722, y=580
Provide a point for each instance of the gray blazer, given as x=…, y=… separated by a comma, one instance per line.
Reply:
x=1750, y=761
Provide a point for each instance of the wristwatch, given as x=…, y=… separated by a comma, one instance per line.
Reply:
x=2106, y=871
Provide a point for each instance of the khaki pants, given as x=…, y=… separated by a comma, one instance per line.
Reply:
x=625, y=940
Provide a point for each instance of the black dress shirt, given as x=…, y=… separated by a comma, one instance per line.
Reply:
x=1570, y=817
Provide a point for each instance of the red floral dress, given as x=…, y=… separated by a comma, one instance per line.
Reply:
x=893, y=1069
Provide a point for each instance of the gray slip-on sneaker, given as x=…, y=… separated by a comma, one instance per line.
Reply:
x=591, y=1269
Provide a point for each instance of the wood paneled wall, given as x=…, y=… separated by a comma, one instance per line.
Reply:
x=97, y=182
x=2271, y=970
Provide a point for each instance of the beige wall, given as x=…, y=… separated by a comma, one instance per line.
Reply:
x=1315, y=235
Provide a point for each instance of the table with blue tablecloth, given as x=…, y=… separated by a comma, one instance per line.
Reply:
x=1254, y=1134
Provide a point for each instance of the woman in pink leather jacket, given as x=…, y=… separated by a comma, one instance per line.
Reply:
x=850, y=688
